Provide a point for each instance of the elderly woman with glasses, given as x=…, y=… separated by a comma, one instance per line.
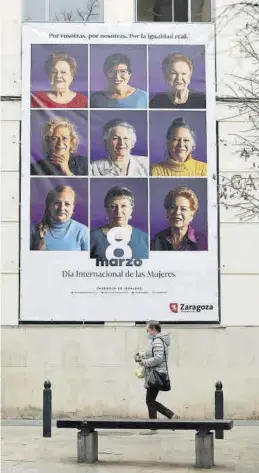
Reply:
x=59, y=143
x=181, y=206
x=177, y=70
x=61, y=70
x=118, y=93
x=119, y=138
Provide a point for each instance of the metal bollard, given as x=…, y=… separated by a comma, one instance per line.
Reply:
x=47, y=409
x=219, y=407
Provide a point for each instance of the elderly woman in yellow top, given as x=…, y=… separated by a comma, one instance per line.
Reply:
x=119, y=138
x=180, y=146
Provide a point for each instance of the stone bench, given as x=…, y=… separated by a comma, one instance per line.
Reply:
x=87, y=437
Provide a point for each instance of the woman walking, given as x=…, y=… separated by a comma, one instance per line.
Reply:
x=154, y=361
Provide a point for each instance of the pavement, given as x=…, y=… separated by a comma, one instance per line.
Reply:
x=24, y=450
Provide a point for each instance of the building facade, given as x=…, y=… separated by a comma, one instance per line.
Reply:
x=91, y=366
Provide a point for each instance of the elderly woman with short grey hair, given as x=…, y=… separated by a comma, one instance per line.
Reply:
x=119, y=138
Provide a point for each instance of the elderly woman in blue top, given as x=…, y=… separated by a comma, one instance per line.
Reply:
x=57, y=231
x=119, y=138
x=118, y=239
x=118, y=93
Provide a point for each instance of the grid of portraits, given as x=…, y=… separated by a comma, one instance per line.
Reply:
x=118, y=139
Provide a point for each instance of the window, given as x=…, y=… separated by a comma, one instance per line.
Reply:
x=63, y=10
x=174, y=10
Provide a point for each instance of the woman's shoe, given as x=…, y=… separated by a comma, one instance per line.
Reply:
x=148, y=432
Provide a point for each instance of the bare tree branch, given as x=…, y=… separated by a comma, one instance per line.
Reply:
x=88, y=13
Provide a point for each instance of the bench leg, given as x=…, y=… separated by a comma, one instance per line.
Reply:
x=204, y=450
x=87, y=447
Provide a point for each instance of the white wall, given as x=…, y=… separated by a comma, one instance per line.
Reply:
x=73, y=356
x=92, y=371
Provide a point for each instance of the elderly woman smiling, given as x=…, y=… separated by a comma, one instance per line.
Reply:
x=181, y=142
x=118, y=94
x=57, y=231
x=119, y=205
x=177, y=70
x=59, y=143
x=181, y=206
x=61, y=70
x=119, y=138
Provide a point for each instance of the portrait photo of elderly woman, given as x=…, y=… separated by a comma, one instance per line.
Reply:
x=181, y=206
x=59, y=142
x=177, y=71
x=119, y=139
x=57, y=230
x=180, y=145
x=119, y=90
x=61, y=69
x=119, y=205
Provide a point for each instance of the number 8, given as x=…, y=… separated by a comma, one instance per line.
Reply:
x=118, y=238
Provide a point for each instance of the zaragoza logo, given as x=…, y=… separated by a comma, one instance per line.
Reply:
x=174, y=307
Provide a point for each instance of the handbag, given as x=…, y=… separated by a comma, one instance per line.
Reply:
x=158, y=380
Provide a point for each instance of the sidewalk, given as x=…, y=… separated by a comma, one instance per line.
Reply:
x=24, y=450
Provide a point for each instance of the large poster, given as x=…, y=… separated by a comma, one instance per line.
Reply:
x=118, y=173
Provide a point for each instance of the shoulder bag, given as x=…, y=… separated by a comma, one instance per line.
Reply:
x=159, y=380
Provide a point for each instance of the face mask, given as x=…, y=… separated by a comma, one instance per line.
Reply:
x=150, y=337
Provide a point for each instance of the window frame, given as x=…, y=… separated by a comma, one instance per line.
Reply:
x=212, y=13
x=47, y=18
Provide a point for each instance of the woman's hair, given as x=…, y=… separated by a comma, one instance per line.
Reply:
x=109, y=126
x=119, y=192
x=115, y=60
x=153, y=324
x=179, y=123
x=56, y=57
x=44, y=225
x=182, y=192
x=175, y=57
x=48, y=130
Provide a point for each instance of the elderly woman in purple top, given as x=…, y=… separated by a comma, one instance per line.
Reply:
x=181, y=205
